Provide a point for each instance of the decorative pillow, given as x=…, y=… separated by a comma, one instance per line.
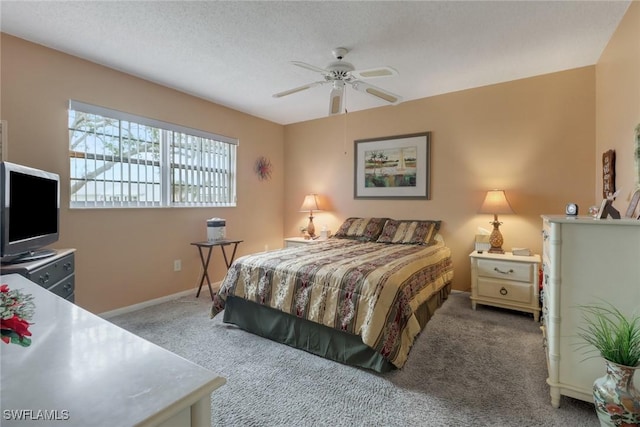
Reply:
x=364, y=229
x=410, y=232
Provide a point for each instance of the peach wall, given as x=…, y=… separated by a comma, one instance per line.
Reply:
x=618, y=104
x=534, y=138
x=125, y=256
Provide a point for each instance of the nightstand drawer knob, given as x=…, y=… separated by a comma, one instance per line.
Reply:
x=503, y=291
x=502, y=271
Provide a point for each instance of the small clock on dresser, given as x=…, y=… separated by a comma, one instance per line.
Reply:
x=571, y=209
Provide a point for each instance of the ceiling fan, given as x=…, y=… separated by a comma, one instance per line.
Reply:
x=339, y=73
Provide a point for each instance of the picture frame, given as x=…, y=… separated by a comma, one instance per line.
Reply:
x=632, y=210
x=602, y=212
x=607, y=209
x=393, y=167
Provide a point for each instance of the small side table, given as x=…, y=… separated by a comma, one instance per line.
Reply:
x=505, y=280
x=205, y=261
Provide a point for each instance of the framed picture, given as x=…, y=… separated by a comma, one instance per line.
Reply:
x=632, y=210
x=607, y=209
x=394, y=167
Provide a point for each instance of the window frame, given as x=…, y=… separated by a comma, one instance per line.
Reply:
x=169, y=135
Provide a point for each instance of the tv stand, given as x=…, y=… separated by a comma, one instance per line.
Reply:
x=30, y=256
x=54, y=271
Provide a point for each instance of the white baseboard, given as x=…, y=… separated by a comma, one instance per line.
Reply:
x=149, y=303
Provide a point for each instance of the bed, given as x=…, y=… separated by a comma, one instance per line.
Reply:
x=360, y=298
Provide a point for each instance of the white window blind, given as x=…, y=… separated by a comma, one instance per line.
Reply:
x=121, y=160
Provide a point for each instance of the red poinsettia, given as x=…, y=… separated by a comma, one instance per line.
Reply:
x=16, y=309
x=17, y=325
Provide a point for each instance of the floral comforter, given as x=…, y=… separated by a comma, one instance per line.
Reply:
x=364, y=288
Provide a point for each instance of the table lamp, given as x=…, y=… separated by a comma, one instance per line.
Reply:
x=496, y=203
x=310, y=204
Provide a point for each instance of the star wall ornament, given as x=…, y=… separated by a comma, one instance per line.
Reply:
x=263, y=168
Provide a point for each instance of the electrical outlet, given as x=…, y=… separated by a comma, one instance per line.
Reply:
x=177, y=265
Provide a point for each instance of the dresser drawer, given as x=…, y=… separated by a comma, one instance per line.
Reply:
x=48, y=275
x=520, y=272
x=504, y=290
x=65, y=287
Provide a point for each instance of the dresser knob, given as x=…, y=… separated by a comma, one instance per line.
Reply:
x=44, y=279
x=503, y=291
x=502, y=271
x=67, y=266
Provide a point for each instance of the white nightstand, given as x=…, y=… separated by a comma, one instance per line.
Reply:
x=505, y=280
x=290, y=242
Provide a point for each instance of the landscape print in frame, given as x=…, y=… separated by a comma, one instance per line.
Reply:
x=394, y=167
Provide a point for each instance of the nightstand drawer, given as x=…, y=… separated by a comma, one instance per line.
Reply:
x=519, y=272
x=504, y=290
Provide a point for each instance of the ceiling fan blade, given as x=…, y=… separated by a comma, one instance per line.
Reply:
x=298, y=89
x=310, y=67
x=374, y=72
x=372, y=90
x=336, y=98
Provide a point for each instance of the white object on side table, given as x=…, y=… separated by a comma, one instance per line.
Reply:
x=506, y=281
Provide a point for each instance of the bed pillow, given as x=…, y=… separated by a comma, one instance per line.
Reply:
x=364, y=229
x=410, y=232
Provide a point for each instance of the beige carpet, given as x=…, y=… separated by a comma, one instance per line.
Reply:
x=468, y=368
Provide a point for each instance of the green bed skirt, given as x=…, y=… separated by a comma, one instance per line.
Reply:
x=315, y=338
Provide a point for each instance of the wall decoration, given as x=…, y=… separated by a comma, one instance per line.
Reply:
x=394, y=167
x=263, y=168
x=608, y=173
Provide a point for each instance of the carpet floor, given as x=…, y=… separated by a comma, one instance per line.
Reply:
x=467, y=368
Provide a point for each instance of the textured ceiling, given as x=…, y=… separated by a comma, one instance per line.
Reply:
x=238, y=53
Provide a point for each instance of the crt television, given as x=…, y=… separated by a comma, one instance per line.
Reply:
x=30, y=212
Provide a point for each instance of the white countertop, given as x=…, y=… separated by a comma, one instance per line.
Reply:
x=99, y=373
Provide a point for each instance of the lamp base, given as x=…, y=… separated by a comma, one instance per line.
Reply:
x=311, y=229
x=495, y=239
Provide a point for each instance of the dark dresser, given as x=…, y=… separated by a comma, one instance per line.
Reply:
x=55, y=273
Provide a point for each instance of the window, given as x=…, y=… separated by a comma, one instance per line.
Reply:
x=121, y=160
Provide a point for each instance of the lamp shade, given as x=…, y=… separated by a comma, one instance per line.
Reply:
x=496, y=202
x=310, y=203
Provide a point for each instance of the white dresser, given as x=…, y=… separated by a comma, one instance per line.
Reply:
x=81, y=370
x=585, y=261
